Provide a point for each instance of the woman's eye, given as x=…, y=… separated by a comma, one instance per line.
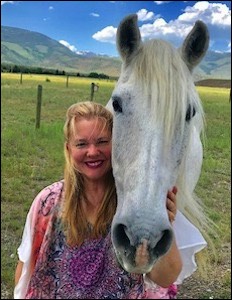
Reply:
x=81, y=145
x=102, y=142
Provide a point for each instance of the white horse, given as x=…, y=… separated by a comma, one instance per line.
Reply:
x=158, y=119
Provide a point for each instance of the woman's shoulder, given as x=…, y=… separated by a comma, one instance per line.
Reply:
x=55, y=187
x=48, y=197
x=51, y=189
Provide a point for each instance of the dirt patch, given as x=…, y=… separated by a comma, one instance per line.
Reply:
x=5, y=293
x=216, y=286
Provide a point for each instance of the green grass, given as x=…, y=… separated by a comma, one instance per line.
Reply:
x=214, y=184
x=214, y=187
x=33, y=158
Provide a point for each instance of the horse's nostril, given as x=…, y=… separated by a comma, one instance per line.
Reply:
x=120, y=237
x=164, y=243
x=124, y=240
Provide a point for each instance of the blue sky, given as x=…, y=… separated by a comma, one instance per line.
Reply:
x=91, y=25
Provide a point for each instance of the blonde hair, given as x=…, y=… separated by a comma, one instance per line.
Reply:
x=76, y=226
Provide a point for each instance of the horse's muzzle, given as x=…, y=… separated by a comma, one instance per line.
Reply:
x=137, y=250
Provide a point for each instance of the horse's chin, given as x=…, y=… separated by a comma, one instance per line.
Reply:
x=128, y=263
x=138, y=270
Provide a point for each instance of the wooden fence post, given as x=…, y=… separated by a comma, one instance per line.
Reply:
x=38, y=108
x=21, y=78
x=92, y=91
x=67, y=80
x=94, y=88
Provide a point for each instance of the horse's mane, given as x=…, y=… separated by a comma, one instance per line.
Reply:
x=170, y=90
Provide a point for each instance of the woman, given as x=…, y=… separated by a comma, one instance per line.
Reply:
x=66, y=250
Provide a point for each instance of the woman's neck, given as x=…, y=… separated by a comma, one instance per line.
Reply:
x=94, y=194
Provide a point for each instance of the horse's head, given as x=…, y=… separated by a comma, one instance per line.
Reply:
x=155, y=104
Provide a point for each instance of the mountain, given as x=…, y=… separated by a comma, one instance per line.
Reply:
x=215, y=66
x=28, y=48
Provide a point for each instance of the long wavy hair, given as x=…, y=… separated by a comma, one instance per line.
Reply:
x=76, y=226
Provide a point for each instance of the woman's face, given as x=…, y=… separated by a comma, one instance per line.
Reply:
x=90, y=148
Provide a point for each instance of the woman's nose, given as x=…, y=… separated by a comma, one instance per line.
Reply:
x=92, y=150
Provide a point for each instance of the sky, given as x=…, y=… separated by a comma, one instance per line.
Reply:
x=92, y=25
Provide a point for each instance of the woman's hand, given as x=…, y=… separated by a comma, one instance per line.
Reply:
x=171, y=204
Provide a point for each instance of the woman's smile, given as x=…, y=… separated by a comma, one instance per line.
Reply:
x=94, y=164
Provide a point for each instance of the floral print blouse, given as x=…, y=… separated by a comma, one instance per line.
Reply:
x=54, y=270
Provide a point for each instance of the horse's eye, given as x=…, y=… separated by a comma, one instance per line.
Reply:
x=117, y=104
x=190, y=113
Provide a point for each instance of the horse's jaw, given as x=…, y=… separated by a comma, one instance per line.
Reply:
x=137, y=250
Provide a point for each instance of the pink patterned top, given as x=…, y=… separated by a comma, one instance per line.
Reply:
x=91, y=271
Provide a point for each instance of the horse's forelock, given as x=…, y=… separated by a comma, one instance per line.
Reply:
x=159, y=68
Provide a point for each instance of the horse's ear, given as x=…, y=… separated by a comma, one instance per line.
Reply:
x=195, y=45
x=128, y=36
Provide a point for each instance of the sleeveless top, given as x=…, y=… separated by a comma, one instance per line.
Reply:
x=54, y=270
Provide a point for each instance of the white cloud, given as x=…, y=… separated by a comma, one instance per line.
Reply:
x=161, y=2
x=70, y=47
x=106, y=35
x=50, y=8
x=7, y=2
x=211, y=13
x=217, y=17
x=144, y=15
x=173, y=31
x=95, y=15
x=229, y=47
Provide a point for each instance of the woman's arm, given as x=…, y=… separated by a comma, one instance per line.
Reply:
x=18, y=271
x=169, y=266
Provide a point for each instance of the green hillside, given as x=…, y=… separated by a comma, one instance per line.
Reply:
x=28, y=48
x=215, y=65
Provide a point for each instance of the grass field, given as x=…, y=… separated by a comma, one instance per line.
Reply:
x=33, y=158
